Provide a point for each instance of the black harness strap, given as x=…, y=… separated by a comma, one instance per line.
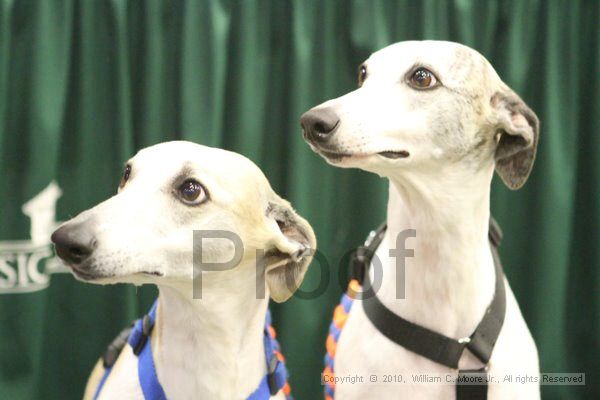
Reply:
x=425, y=342
x=115, y=347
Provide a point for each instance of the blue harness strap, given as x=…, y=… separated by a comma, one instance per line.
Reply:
x=274, y=381
x=276, y=378
x=139, y=341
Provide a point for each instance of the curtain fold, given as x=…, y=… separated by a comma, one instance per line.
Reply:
x=84, y=84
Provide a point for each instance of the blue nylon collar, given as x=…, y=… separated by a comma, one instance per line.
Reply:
x=139, y=340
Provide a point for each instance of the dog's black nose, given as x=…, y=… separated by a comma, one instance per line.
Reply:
x=319, y=124
x=74, y=243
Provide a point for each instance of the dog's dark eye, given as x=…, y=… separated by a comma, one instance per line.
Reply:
x=362, y=75
x=422, y=78
x=125, y=176
x=192, y=192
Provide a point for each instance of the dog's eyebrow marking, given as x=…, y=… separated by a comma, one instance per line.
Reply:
x=185, y=172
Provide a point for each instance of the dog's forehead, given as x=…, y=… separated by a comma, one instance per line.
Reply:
x=213, y=164
x=453, y=60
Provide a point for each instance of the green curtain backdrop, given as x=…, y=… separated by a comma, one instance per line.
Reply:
x=86, y=83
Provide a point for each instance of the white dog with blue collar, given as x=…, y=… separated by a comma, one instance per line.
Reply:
x=217, y=346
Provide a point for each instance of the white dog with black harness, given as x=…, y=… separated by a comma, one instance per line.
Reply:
x=218, y=346
x=436, y=120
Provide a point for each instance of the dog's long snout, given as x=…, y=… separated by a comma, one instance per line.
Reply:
x=319, y=124
x=74, y=243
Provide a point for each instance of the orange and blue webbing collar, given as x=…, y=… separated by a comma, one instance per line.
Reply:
x=274, y=381
x=340, y=315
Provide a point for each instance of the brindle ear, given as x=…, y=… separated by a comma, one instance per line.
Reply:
x=518, y=130
x=294, y=246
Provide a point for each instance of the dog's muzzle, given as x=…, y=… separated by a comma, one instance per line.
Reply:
x=319, y=124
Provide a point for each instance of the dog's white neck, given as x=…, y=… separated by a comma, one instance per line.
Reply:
x=211, y=348
x=450, y=280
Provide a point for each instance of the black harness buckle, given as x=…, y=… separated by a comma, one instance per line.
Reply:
x=271, y=376
x=115, y=347
x=361, y=258
x=146, y=330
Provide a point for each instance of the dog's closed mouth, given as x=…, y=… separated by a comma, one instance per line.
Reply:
x=334, y=156
x=394, y=154
x=84, y=275
x=155, y=273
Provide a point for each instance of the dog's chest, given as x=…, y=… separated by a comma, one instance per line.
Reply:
x=364, y=352
x=123, y=383
x=123, y=380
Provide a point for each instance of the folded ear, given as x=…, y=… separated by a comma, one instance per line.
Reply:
x=517, y=129
x=294, y=245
